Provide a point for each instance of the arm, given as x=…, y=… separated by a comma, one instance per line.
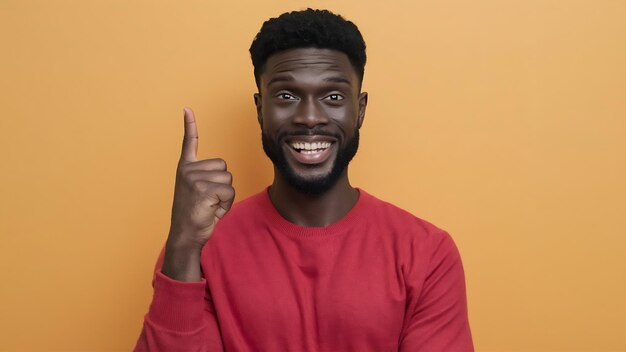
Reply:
x=436, y=316
x=181, y=317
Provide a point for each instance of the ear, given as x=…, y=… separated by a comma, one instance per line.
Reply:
x=362, y=107
x=259, y=105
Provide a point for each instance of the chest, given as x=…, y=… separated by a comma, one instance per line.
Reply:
x=323, y=294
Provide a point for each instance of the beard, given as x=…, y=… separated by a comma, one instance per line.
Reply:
x=313, y=185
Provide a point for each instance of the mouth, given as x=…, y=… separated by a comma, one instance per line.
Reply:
x=311, y=149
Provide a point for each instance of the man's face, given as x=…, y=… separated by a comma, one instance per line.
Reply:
x=310, y=111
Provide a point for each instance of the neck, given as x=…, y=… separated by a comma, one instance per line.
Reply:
x=317, y=210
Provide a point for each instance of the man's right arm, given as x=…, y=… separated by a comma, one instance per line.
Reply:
x=181, y=315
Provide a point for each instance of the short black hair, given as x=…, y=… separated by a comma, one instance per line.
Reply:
x=305, y=29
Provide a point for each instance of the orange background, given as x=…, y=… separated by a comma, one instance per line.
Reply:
x=501, y=121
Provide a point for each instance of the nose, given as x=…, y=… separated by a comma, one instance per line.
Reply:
x=310, y=114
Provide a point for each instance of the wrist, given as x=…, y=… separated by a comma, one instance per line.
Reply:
x=183, y=241
x=182, y=261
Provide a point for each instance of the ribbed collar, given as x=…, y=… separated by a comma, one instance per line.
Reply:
x=353, y=216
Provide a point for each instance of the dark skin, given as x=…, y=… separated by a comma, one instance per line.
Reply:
x=301, y=90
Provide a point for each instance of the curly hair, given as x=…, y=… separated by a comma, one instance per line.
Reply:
x=304, y=29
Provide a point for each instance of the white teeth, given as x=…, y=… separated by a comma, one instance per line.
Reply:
x=310, y=146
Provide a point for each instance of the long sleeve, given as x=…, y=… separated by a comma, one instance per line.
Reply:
x=436, y=317
x=181, y=317
x=379, y=279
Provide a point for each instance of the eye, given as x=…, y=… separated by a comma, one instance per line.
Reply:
x=334, y=97
x=286, y=96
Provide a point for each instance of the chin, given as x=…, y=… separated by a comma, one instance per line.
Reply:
x=311, y=172
x=311, y=186
x=313, y=178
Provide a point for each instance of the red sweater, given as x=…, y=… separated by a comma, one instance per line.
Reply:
x=379, y=279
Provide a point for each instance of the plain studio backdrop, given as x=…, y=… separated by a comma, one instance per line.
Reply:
x=502, y=122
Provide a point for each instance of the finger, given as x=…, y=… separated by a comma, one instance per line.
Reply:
x=220, y=212
x=218, y=196
x=207, y=165
x=227, y=197
x=224, y=177
x=190, y=140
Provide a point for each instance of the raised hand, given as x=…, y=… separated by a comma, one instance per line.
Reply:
x=203, y=194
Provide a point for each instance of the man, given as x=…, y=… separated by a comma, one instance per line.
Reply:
x=311, y=263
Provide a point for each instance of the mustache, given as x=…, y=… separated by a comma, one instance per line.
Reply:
x=307, y=132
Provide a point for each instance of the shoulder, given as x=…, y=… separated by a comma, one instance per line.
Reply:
x=420, y=248
x=400, y=220
x=413, y=236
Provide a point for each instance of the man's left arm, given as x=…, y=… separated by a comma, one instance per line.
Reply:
x=436, y=317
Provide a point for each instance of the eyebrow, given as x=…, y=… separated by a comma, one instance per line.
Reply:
x=334, y=79
x=338, y=79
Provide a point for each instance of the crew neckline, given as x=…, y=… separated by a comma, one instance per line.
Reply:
x=291, y=229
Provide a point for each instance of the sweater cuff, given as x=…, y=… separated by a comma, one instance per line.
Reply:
x=177, y=305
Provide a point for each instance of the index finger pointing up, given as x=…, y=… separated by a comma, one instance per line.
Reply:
x=190, y=141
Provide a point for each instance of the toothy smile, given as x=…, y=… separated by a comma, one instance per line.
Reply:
x=310, y=148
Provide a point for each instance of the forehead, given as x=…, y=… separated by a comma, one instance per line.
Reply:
x=298, y=63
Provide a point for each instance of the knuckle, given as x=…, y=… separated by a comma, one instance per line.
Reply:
x=181, y=176
x=222, y=187
x=199, y=186
x=182, y=169
x=220, y=163
x=229, y=191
